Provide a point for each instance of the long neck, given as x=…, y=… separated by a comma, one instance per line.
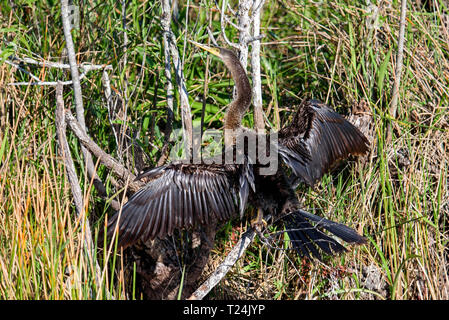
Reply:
x=242, y=100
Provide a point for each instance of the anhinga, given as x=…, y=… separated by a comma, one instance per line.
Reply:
x=180, y=195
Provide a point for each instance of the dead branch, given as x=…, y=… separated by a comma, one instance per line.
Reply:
x=46, y=83
x=255, y=67
x=244, y=34
x=223, y=19
x=398, y=70
x=165, y=21
x=122, y=114
x=169, y=39
x=206, y=78
x=116, y=167
x=236, y=253
x=85, y=67
x=64, y=147
x=23, y=70
x=78, y=95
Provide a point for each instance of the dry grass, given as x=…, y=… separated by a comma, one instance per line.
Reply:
x=41, y=251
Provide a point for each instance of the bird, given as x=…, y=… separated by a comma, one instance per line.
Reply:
x=183, y=194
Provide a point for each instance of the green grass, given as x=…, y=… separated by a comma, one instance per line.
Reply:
x=328, y=51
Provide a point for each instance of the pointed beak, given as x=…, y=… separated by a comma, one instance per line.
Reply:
x=214, y=51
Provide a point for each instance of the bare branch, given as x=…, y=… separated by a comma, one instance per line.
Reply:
x=255, y=67
x=186, y=113
x=46, y=83
x=245, y=25
x=255, y=38
x=224, y=16
x=72, y=61
x=110, y=104
x=65, y=151
x=206, y=79
x=23, y=70
x=256, y=9
x=85, y=67
x=107, y=160
x=223, y=25
x=211, y=37
x=122, y=114
x=398, y=70
x=165, y=20
x=231, y=10
x=78, y=94
x=235, y=254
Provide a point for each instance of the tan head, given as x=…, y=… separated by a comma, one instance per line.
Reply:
x=228, y=56
x=238, y=107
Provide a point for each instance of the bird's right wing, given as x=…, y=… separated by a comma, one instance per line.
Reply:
x=179, y=196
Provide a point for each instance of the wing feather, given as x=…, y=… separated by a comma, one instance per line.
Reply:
x=178, y=196
x=316, y=139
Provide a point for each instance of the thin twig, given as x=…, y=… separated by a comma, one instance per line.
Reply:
x=211, y=37
x=219, y=273
x=186, y=113
x=398, y=70
x=85, y=67
x=124, y=105
x=206, y=81
x=46, y=83
x=23, y=70
x=223, y=25
x=224, y=16
x=72, y=61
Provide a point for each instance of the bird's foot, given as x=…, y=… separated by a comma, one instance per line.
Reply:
x=258, y=223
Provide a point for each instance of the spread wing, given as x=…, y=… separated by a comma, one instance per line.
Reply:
x=316, y=139
x=179, y=196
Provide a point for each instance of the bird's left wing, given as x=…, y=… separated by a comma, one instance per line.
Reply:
x=316, y=139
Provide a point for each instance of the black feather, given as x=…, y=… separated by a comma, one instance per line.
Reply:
x=306, y=237
x=316, y=139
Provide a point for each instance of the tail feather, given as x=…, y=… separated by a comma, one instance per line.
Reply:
x=304, y=230
x=345, y=233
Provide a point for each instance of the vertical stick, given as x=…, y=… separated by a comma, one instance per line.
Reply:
x=72, y=61
x=398, y=71
x=123, y=125
x=244, y=25
x=165, y=21
x=78, y=94
x=171, y=51
x=255, y=67
x=206, y=82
